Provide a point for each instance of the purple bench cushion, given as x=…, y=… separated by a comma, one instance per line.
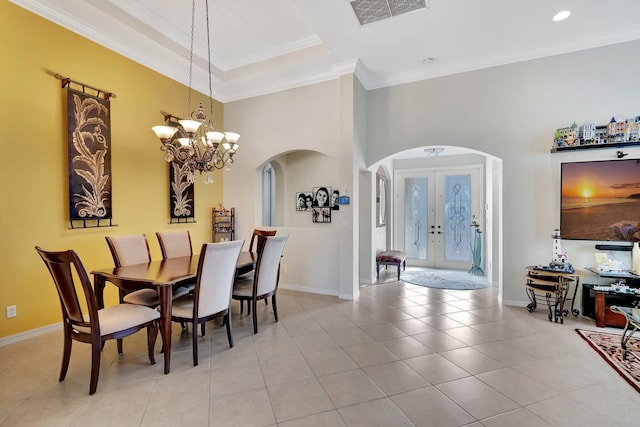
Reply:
x=391, y=257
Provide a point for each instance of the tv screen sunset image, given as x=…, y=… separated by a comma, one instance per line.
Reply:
x=600, y=200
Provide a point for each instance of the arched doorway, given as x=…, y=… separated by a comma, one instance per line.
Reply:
x=445, y=161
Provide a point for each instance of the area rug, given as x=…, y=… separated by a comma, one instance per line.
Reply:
x=444, y=279
x=608, y=346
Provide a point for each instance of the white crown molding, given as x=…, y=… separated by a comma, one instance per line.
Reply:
x=263, y=79
x=430, y=71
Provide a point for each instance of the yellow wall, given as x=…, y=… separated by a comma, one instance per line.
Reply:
x=33, y=176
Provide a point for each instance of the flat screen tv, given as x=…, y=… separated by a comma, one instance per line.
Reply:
x=600, y=200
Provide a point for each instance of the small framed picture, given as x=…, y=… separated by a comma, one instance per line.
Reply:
x=335, y=196
x=321, y=215
x=304, y=200
x=322, y=197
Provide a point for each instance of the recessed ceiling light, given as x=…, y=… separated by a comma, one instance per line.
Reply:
x=561, y=16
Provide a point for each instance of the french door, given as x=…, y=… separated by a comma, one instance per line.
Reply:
x=435, y=208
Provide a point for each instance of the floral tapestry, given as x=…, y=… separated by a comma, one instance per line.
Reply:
x=89, y=133
x=181, y=193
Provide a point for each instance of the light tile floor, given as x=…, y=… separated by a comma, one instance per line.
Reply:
x=400, y=355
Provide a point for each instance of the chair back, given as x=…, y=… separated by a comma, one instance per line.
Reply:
x=129, y=250
x=175, y=244
x=62, y=266
x=258, y=236
x=216, y=272
x=267, y=272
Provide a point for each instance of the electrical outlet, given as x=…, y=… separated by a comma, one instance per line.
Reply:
x=11, y=311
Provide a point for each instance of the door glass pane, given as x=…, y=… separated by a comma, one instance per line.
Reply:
x=458, y=218
x=415, y=217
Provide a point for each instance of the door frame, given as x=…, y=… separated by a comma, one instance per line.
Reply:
x=438, y=174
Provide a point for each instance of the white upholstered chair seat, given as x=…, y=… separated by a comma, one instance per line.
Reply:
x=120, y=317
x=150, y=298
x=243, y=286
x=183, y=308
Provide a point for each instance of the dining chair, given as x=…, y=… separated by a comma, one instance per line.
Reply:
x=131, y=250
x=95, y=326
x=174, y=245
x=264, y=281
x=258, y=237
x=212, y=294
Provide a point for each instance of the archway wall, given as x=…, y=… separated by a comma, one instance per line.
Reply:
x=385, y=236
x=308, y=134
x=511, y=112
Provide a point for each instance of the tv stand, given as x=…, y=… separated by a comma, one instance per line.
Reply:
x=597, y=304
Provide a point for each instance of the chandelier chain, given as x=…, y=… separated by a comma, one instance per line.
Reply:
x=193, y=143
x=206, y=4
x=193, y=20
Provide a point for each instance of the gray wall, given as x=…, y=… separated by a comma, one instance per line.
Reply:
x=511, y=112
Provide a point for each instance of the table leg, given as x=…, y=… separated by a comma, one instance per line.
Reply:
x=166, y=302
x=98, y=285
x=600, y=310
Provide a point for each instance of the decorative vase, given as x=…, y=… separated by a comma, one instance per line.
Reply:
x=476, y=251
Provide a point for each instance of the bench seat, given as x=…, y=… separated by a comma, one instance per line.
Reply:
x=386, y=258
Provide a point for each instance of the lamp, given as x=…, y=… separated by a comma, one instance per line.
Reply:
x=193, y=141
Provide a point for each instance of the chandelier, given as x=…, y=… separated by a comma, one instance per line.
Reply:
x=194, y=142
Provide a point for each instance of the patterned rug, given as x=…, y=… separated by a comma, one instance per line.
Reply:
x=608, y=346
x=444, y=279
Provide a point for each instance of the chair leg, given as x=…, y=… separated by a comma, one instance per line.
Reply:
x=254, y=302
x=275, y=307
x=227, y=322
x=249, y=305
x=202, y=328
x=152, y=335
x=194, y=338
x=95, y=366
x=121, y=295
x=241, y=306
x=66, y=354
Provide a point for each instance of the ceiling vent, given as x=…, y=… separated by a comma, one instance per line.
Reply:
x=374, y=10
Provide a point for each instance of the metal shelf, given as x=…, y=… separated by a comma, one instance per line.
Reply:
x=590, y=146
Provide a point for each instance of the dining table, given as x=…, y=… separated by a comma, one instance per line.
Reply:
x=162, y=276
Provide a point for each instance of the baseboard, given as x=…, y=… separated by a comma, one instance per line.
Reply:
x=307, y=289
x=515, y=303
x=349, y=296
x=29, y=334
